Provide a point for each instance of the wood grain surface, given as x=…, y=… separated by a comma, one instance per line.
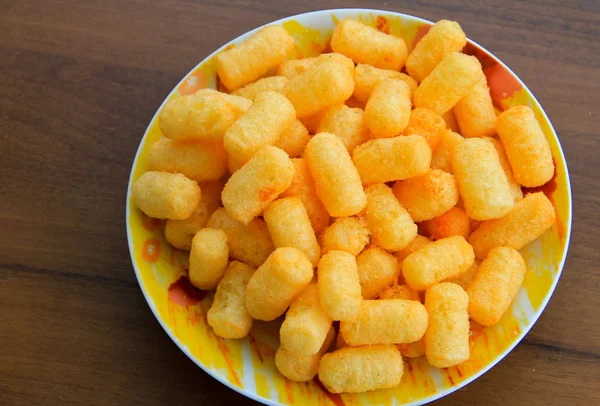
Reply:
x=79, y=83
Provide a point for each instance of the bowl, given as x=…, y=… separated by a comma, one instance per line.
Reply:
x=247, y=366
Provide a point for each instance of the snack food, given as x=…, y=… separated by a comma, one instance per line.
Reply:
x=340, y=301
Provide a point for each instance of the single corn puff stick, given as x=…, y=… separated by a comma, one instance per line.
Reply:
x=228, y=315
x=389, y=321
x=365, y=44
x=336, y=180
x=306, y=325
x=198, y=160
x=450, y=81
x=277, y=282
x=528, y=219
x=475, y=112
x=208, y=258
x=289, y=226
x=387, y=159
x=270, y=115
x=442, y=39
x=387, y=112
x=361, y=369
x=250, y=60
x=437, y=261
x=447, y=336
x=495, y=286
x=164, y=195
x=252, y=188
x=391, y=226
x=526, y=146
x=481, y=180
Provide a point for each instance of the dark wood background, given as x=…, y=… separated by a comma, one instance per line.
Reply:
x=79, y=82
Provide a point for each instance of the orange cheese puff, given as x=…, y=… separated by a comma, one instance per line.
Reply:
x=164, y=195
x=336, y=57
x=450, y=81
x=481, y=180
x=306, y=325
x=339, y=286
x=325, y=84
x=442, y=155
x=347, y=123
x=250, y=244
x=377, y=269
x=398, y=158
x=293, y=139
x=437, y=261
x=447, y=336
x=526, y=146
x=388, y=110
x=277, y=282
x=426, y=123
x=348, y=234
x=365, y=44
x=361, y=369
x=524, y=223
x=403, y=292
x=289, y=226
x=451, y=122
x=453, y=222
x=389, y=321
x=427, y=196
x=179, y=233
x=271, y=83
x=366, y=77
x=303, y=186
x=390, y=224
x=515, y=188
x=499, y=278
x=246, y=62
x=475, y=112
x=465, y=279
x=301, y=367
x=199, y=161
x=313, y=121
x=202, y=116
x=234, y=164
x=336, y=180
x=294, y=67
x=228, y=315
x=412, y=350
x=252, y=188
x=208, y=258
x=442, y=39
x=416, y=244
x=270, y=114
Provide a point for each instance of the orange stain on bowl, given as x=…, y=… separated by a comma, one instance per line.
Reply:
x=193, y=83
x=502, y=84
x=151, y=250
x=183, y=293
x=382, y=24
x=221, y=343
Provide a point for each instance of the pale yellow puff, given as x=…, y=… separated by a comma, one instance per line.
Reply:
x=475, y=112
x=366, y=77
x=208, y=258
x=271, y=83
x=442, y=155
x=293, y=139
x=339, y=286
x=348, y=234
x=427, y=124
x=377, y=269
x=347, y=123
x=387, y=112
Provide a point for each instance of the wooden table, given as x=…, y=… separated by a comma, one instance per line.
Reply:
x=79, y=82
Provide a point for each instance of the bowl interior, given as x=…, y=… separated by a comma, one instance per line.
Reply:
x=247, y=365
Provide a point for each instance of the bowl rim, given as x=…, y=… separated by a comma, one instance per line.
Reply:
x=430, y=398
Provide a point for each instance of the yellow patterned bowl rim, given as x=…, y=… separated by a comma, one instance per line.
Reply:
x=247, y=366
